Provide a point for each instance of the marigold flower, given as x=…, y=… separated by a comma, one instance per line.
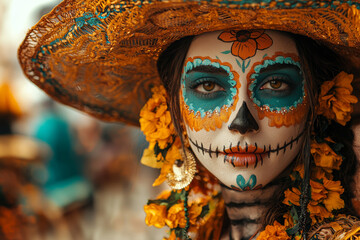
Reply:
x=325, y=157
x=245, y=42
x=172, y=155
x=274, y=232
x=164, y=194
x=194, y=212
x=176, y=216
x=335, y=99
x=292, y=196
x=318, y=212
x=155, y=215
x=155, y=119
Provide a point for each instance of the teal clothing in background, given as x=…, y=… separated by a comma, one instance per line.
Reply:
x=64, y=181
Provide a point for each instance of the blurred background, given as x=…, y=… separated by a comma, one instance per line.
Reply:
x=63, y=175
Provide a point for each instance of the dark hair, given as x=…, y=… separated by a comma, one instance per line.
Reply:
x=319, y=64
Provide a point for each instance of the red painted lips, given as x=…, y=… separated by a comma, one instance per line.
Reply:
x=244, y=157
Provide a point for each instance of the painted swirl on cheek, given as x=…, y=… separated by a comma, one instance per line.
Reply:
x=209, y=92
x=277, y=87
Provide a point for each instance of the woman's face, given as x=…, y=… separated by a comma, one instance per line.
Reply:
x=244, y=104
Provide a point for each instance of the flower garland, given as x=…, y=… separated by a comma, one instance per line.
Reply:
x=205, y=211
x=335, y=104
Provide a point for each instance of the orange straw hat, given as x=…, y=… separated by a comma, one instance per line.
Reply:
x=100, y=56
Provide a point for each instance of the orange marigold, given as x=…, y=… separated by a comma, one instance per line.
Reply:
x=335, y=99
x=155, y=215
x=292, y=196
x=274, y=232
x=155, y=120
x=325, y=157
x=176, y=216
x=171, y=156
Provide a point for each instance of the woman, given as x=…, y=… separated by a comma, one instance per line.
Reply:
x=265, y=113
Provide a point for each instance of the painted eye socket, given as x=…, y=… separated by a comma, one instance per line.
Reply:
x=208, y=87
x=278, y=89
x=275, y=84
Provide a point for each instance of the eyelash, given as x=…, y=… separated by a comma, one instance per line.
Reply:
x=282, y=79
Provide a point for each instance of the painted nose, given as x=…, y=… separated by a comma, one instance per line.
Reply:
x=244, y=122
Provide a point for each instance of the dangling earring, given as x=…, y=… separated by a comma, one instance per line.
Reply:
x=182, y=172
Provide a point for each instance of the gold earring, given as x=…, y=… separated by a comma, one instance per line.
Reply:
x=182, y=172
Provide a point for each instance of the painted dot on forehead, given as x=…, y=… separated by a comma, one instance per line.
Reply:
x=276, y=85
x=209, y=92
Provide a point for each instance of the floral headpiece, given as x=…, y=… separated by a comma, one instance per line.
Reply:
x=172, y=208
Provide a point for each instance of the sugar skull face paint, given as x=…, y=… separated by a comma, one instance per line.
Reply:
x=209, y=92
x=231, y=108
x=276, y=85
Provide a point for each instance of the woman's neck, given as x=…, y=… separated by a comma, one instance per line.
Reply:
x=246, y=209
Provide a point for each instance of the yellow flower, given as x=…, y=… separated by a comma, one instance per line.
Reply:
x=318, y=212
x=176, y=216
x=325, y=157
x=164, y=194
x=172, y=155
x=172, y=236
x=335, y=99
x=333, y=200
x=194, y=212
x=274, y=232
x=155, y=120
x=155, y=215
x=292, y=196
x=288, y=220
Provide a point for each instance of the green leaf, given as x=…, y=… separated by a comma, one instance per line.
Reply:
x=204, y=211
x=226, y=52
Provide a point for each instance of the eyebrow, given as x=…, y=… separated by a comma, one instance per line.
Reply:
x=279, y=66
x=209, y=69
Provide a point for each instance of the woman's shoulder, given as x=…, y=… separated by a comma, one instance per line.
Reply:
x=342, y=227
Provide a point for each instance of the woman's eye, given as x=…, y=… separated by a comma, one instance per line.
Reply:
x=275, y=85
x=208, y=87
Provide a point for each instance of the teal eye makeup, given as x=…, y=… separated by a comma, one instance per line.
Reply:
x=277, y=84
x=207, y=86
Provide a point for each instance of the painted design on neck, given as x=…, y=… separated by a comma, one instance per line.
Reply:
x=199, y=110
x=282, y=108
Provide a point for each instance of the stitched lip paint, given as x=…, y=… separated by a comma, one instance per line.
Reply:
x=244, y=157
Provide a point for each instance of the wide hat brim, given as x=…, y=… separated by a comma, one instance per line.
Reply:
x=100, y=56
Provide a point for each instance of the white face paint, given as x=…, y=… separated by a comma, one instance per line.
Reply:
x=244, y=104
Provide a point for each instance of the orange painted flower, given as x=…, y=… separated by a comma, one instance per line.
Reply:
x=335, y=99
x=246, y=42
x=155, y=215
x=325, y=157
x=274, y=232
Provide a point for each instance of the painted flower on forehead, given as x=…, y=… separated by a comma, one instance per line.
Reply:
x=246, y=42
